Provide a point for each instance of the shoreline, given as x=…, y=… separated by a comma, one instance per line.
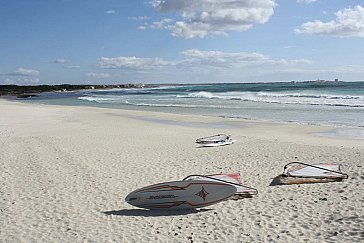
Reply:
x=321, y=104
x=329, y=130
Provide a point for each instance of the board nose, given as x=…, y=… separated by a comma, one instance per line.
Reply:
x=130, y=198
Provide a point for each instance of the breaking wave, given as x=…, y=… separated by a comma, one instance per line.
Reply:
x=283, y=98
x=262, y=97
x=150, y=102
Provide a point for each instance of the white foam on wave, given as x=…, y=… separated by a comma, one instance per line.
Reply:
x=233, y=104
x=183, y=105
x=201, y=94
x=152, y=102
x=102, y=99
x=284, y=98
x=303, y=98
x=310, y=95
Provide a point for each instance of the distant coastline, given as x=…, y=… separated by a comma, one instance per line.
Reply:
x=28, y=91
x=34, y=90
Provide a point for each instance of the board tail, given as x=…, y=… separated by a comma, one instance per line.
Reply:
x=234, y=179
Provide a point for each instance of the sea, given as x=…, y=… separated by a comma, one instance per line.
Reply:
x=323, y=103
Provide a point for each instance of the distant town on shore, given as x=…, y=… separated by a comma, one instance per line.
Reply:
x=336, y=80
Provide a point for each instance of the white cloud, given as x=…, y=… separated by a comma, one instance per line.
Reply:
x=221, y=59
x=161, y=24
x=350, y=69
x=201, y=18
x=98, y=75
x=349, y=22
x=306, y=1
x=110, y=12
x=139, y=18
x=24, y=72
x=22, y=81
x=73, y=66
x=195, y=65
x=199, y=61
x=132, y=63
x=233, y=59
x=61, y=61
x=142, y=27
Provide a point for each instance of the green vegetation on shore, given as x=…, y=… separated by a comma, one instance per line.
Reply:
x=33, y=90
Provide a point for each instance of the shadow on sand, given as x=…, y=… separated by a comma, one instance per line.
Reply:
x=154, y=213
x=276, y=181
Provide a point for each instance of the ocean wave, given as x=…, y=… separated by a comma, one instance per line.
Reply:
x=260, y=97
x=283, y=98
x=182, y=105
x=201, y=94
x=314, y=96
x=97, y=99
x=152, y=102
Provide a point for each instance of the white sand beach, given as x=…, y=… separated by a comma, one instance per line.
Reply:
x=65, y=172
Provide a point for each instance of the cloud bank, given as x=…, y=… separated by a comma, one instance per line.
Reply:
x=98, y=75
x=60, y=61
x=201, y=18
x=195, y=65
x=225, y=61
x=132, y=63
x=198, y=59
x=110, y=12
x=306, y=1
x=25, y=72
x=22, y=81
x=349, y=22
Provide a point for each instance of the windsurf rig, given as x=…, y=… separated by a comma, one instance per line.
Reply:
x=242, y=191
x=300, y=173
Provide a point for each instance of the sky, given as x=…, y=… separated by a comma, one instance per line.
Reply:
x=180, y=41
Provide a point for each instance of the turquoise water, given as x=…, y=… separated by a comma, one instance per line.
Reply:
x=334, y=103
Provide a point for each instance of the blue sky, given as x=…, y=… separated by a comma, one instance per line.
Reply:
x=180, y=41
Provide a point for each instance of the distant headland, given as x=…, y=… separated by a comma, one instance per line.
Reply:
x=33, y=90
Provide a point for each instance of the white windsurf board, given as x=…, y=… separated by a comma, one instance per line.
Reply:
x=217, y=144
x=180, y=194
